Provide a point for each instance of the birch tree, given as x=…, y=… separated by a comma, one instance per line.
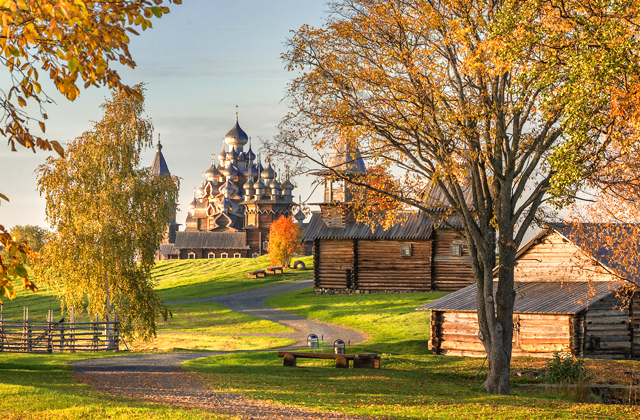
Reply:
x=109, y=216
x=503, y=105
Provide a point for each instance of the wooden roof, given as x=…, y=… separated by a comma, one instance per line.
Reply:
x=531, y=297
x=211, y=240
x=416, y=226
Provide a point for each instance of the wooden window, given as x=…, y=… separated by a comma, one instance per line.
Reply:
x=456, y=249
x=191, y=256
x=212, y=255
x=405, y=250
x=224, y=255
x=255, y=255
x=237, y=255
x=265, y=245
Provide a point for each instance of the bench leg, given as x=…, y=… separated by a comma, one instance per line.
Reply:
x=289, y=360
x=342, y=362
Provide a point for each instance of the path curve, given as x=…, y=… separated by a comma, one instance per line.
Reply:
x=251, y=302
x=159, y=377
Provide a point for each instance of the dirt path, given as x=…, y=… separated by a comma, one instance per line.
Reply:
x=251, y=302
x=159, y=377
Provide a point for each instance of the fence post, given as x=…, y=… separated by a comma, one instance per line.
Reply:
x=73, y=330
x=95, y=334
x=50, y=331
x=1, y=329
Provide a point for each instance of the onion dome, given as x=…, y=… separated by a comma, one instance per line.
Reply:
x=299, y=216
x=287, y=185
x=259, y=187
x=223, y=155
x=194, y=203
x=268, y=173
x=250, y=155
x=212, y=173
x=234, y=154
x=232, y=170
x=274, y=185
x=200, y=192
x=227, y=188
x=236, y=136
x=248, y=185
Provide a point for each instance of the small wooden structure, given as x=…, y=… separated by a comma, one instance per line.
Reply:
x=274, y=270
x=360, y=360
x=53, y=337
x=257, y=273
x=565, y=302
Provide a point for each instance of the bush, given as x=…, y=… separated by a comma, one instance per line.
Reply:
x=565, y=369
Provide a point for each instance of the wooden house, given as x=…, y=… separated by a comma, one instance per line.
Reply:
x=419, y=254
x=566, y=301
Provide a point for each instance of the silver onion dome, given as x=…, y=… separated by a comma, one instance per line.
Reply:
x=299, y=216
x=236, y=136
x=268, y=173
x=287, y=185
x=212, y=174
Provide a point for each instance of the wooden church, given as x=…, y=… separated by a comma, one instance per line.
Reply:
x=419, y=254
x=233, y=209
x=567, y=300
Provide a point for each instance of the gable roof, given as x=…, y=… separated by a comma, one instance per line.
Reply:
x=531, y=297
x=417, y=225
x=211, y=240
x=608, y=236
x=606, y=233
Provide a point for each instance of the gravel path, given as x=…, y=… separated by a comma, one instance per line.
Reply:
x=159, y=377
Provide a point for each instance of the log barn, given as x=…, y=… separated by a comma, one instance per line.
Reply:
x=567, y=300
x=419, y=255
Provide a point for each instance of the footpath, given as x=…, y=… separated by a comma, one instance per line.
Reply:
x=159, y=377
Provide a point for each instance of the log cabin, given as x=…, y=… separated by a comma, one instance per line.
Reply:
x=420, y=254
x=568, y=299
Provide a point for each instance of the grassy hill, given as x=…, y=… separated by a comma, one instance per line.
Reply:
x=177, y=280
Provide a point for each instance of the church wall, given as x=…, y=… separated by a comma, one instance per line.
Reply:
x=204, y=253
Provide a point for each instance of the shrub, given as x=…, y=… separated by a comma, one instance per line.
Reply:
x=565, y=369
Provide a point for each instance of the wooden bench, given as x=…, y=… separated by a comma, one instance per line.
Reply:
x=256, y=274
x=360, y=360
x=274, y=270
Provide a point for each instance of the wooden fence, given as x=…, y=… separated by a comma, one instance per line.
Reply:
x=53, y=337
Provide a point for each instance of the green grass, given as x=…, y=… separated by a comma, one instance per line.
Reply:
x=212, y=317
x=197, y=279
x=407, y=387
x=412, y=384
x=43, y=387
x=177, y=280
x=390, y=320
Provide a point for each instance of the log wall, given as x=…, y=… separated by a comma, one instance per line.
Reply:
x=381, y=267
x=535, y=335
x=553, y=258
x=608, y=330
x=334, y=258
x=450, y=272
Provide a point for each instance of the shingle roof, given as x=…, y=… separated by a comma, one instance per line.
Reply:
x=417, y=225
x=211, y=240
x=531, y=297
x=168, y=249
x=159, y=165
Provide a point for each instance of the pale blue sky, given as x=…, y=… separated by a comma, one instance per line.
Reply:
x=199, y=61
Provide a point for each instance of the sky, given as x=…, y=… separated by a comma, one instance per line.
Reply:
x=198, y=62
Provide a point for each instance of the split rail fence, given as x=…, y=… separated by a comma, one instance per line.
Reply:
x=53, y=337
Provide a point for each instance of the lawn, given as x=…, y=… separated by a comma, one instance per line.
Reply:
x=412, y=384
x=42, y=387
x=197, y=279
